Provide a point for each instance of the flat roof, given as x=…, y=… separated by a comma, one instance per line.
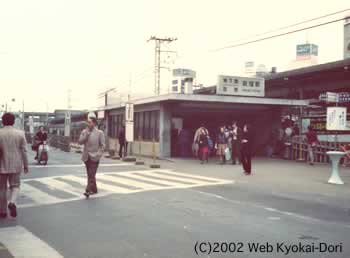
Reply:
x=212, y=98
x=310, y=69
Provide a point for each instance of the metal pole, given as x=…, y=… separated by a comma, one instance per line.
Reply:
x=23, y=115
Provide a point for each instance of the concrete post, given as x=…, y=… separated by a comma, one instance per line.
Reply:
x=164, y=131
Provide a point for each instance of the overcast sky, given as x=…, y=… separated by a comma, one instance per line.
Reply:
x=48, y=47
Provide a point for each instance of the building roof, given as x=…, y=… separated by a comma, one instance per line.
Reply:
x=213, y=99
x=328, y=70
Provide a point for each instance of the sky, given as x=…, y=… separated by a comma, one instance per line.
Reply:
x=48, y=48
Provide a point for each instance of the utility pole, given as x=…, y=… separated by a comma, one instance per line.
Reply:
x=157, y=67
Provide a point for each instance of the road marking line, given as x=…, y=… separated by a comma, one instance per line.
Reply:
x=212, y=179
x=61, y=186
x=126, y=181
x=149, y=181
x=37, y=195
x=21, y=243
x=166, y=183
x=110, y=188
x=79, y=165
x=192, y=181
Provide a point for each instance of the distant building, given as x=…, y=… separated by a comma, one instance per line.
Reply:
x=347, y=38
x=183, y=81
x=249, y=68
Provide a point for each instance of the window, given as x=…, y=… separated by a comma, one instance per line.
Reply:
x=225, y=80
x=224, y=89
x=182, y=82
x=257, y=84
x=244, y=83
x=175, y=88
x=115, y=122
x=235, y=89
x=146, y=125
x=230, y=80
x=251, y=84
x=146, y=133
x=174, y=81
x=236, y=81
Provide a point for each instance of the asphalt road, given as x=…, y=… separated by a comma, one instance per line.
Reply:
x=176, y=211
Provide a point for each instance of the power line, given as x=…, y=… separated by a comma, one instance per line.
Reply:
x=290, y=26
x=278, y=35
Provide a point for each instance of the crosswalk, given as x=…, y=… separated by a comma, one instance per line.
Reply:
x=59, y=189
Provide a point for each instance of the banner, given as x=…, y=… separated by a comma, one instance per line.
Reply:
x=129, y=122
x=336, y=118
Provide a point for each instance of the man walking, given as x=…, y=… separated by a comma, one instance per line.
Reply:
x=13, y=158
x=94, y=145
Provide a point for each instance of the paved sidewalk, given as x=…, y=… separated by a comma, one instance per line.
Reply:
x=281, y=177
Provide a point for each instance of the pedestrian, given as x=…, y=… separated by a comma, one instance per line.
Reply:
x=221, y=145
x=40, y=138
x=246, y=149
x=94, y=145
x=312, y=141
x=13, y=158
x=123, y=145
x=236, y=143
x=203, y=146
x=195, y=146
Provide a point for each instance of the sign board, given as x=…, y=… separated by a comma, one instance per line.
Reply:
x=129, y=112
x=307, y=50
x=240, y=86
x=67, y=122
x=129, y=131
x=329, y=97
x=101, y=114
x=184, y=72
x=129, y=122
x=31, y=124
x=336, y=118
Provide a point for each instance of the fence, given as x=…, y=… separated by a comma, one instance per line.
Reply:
x=299, y=149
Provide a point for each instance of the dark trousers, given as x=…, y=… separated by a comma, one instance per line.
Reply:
x=91, y=169
x=123, y=146
x=236, y=152
x=13, y=180
x=246, y=158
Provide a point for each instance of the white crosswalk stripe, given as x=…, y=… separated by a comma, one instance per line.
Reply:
x=21, y=243
x=58, y=189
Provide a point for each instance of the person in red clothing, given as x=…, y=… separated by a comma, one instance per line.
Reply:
x=312, y=140
x=346, y=149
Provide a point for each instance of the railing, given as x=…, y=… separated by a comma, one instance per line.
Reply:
x=300, y=150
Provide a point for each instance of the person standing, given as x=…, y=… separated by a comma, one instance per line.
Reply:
x=123, y=145
x=203, y=146
x=312, y=140
x=13, y=158
x=94, y=145
x=221, y=145
x=236, y=143
x=246, y=149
